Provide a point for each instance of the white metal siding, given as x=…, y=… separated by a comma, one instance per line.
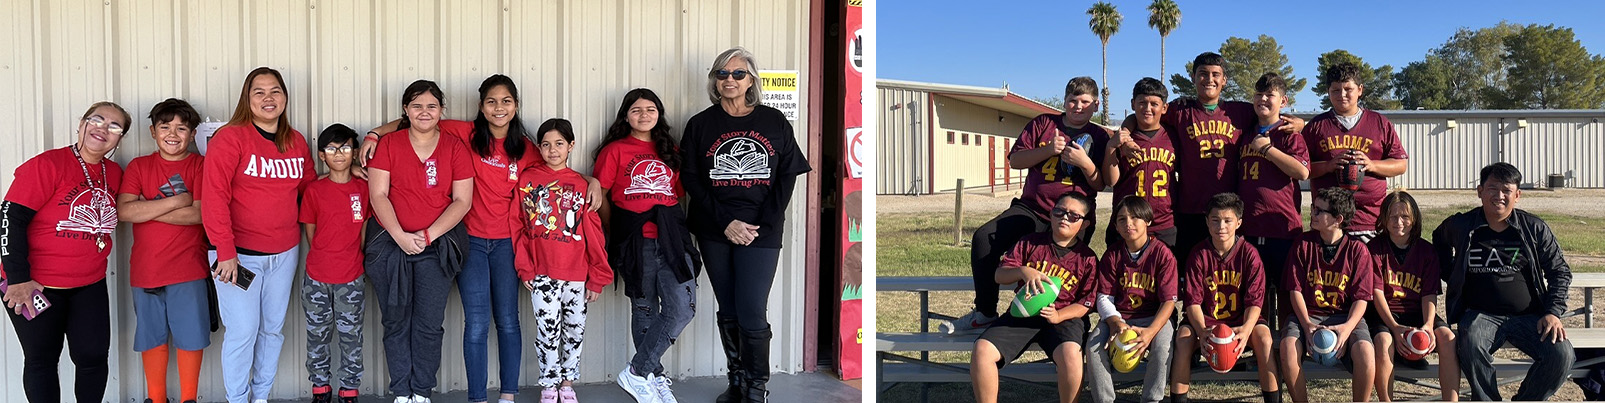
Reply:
x=903, y=144
x=1442, y=158
x=348, y=61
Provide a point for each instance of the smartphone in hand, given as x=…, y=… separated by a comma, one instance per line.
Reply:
x=242, y=276
x=36, y=303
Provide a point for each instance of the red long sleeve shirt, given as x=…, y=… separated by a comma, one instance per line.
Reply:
x=251, y=190
x=554, y=233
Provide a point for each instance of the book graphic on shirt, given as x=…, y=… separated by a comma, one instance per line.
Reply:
x=92, y=212
x=174, y=186
x=651, y=177
x=740, y=158
x=553, y=209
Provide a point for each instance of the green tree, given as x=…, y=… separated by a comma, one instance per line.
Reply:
x=1378, y=82
x=1426, y=84
x=1245, y=61
x=1548, y=68
x=1466, y=72
x=1055, y=102
x=1163, y=16
x=1105, y=22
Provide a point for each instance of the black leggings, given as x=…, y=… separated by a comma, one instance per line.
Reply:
x=741, y=277
x=82, y=318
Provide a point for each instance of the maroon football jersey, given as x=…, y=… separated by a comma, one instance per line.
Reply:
x=1405, y=283
x=1330, y=286
x=1149, y=175
x=1138, y=286
x=1373, y=135
x=1049, y=179
x=1225, y=286
x=1076, y=267
x=1270, y=197
x=1206, y=149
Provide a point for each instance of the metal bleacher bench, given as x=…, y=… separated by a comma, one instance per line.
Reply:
x=904, y=357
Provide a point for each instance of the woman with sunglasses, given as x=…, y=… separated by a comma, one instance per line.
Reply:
x=255, y=169
x=741, y=163
x=55, y=252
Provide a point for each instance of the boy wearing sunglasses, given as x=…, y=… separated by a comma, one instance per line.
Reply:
x=1225, y=285
x=1061, y=153
x=332, y=214
x=1329, y=278
x=1060, y=328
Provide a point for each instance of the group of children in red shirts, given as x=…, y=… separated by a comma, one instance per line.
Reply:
x=1235, y=228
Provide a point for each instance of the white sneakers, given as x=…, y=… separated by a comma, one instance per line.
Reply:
x=973, y=322
x=419, y=399
x=403, y=399
x=643, y=389
x=661, y=385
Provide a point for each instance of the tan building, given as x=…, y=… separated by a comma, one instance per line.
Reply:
x=930, y=135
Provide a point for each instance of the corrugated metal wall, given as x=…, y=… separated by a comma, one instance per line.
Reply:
x=902, y=143
x=348, y=61
x=1443, y=158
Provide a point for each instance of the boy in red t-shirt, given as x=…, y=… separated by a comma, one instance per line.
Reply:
x=1148, y=164
x=333, y=210
x=1061, y=153
x=1350, y=144
x=1059, y=329
x=1225, y=285
x=1329, y=284
x=167, y=265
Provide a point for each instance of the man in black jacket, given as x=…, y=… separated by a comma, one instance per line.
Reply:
x=1507, y=283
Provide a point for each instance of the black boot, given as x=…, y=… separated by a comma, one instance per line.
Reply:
x=730, y=336
x=755, y=357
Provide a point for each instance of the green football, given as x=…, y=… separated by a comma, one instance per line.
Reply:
x=1027, y=305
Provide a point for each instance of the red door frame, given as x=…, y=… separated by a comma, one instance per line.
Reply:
x=816, y=103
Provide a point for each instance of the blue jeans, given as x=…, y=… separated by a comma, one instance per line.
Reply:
x=1481, y=333
x=489, y=286
x=661, y=313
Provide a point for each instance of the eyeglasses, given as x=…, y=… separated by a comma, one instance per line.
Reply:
x=1066, y=215
x=723, y=74
x=113, y=127
x=345, y=149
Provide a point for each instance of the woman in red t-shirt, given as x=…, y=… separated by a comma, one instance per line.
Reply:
x=59, y=216
x=639, y=165
x=421, y=184
x=255, y=168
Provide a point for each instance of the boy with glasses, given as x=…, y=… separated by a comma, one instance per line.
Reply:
x=333, y=210
x=1060, y=328
x=1330, y=278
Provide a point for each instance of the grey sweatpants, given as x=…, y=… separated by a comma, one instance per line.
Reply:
x=1100, y=377
x=332, y=308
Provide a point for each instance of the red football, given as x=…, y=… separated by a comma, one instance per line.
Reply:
x=1417, y=344
x=1222, y=355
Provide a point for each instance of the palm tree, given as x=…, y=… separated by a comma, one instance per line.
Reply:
x=1163, y=16
x=1104, y=23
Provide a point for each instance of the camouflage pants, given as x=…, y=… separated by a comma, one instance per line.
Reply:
x=332, y=308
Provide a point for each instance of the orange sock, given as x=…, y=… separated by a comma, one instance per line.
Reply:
x=189, y=373
x=156, y=373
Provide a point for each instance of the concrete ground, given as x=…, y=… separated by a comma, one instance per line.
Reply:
x=814, y=387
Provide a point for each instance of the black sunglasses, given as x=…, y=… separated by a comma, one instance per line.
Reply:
x=723, y=74
x=1067, y=215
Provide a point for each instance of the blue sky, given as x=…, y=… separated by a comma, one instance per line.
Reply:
x=1036, y=46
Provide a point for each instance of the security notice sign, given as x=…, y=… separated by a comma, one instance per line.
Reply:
x=780, y=92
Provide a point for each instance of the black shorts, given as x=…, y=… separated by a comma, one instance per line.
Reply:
x=1013, y=335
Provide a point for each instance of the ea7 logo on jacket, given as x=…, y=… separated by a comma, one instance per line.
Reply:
x=283, y=168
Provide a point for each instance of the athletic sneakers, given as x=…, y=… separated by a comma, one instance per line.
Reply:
x=348, y=395
x=638, y=387
x=973, y=322
x=419, y=399
x=566, y=395
x=661, y=385
x=548, y=395
x=322, y=394
x=403, y=399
